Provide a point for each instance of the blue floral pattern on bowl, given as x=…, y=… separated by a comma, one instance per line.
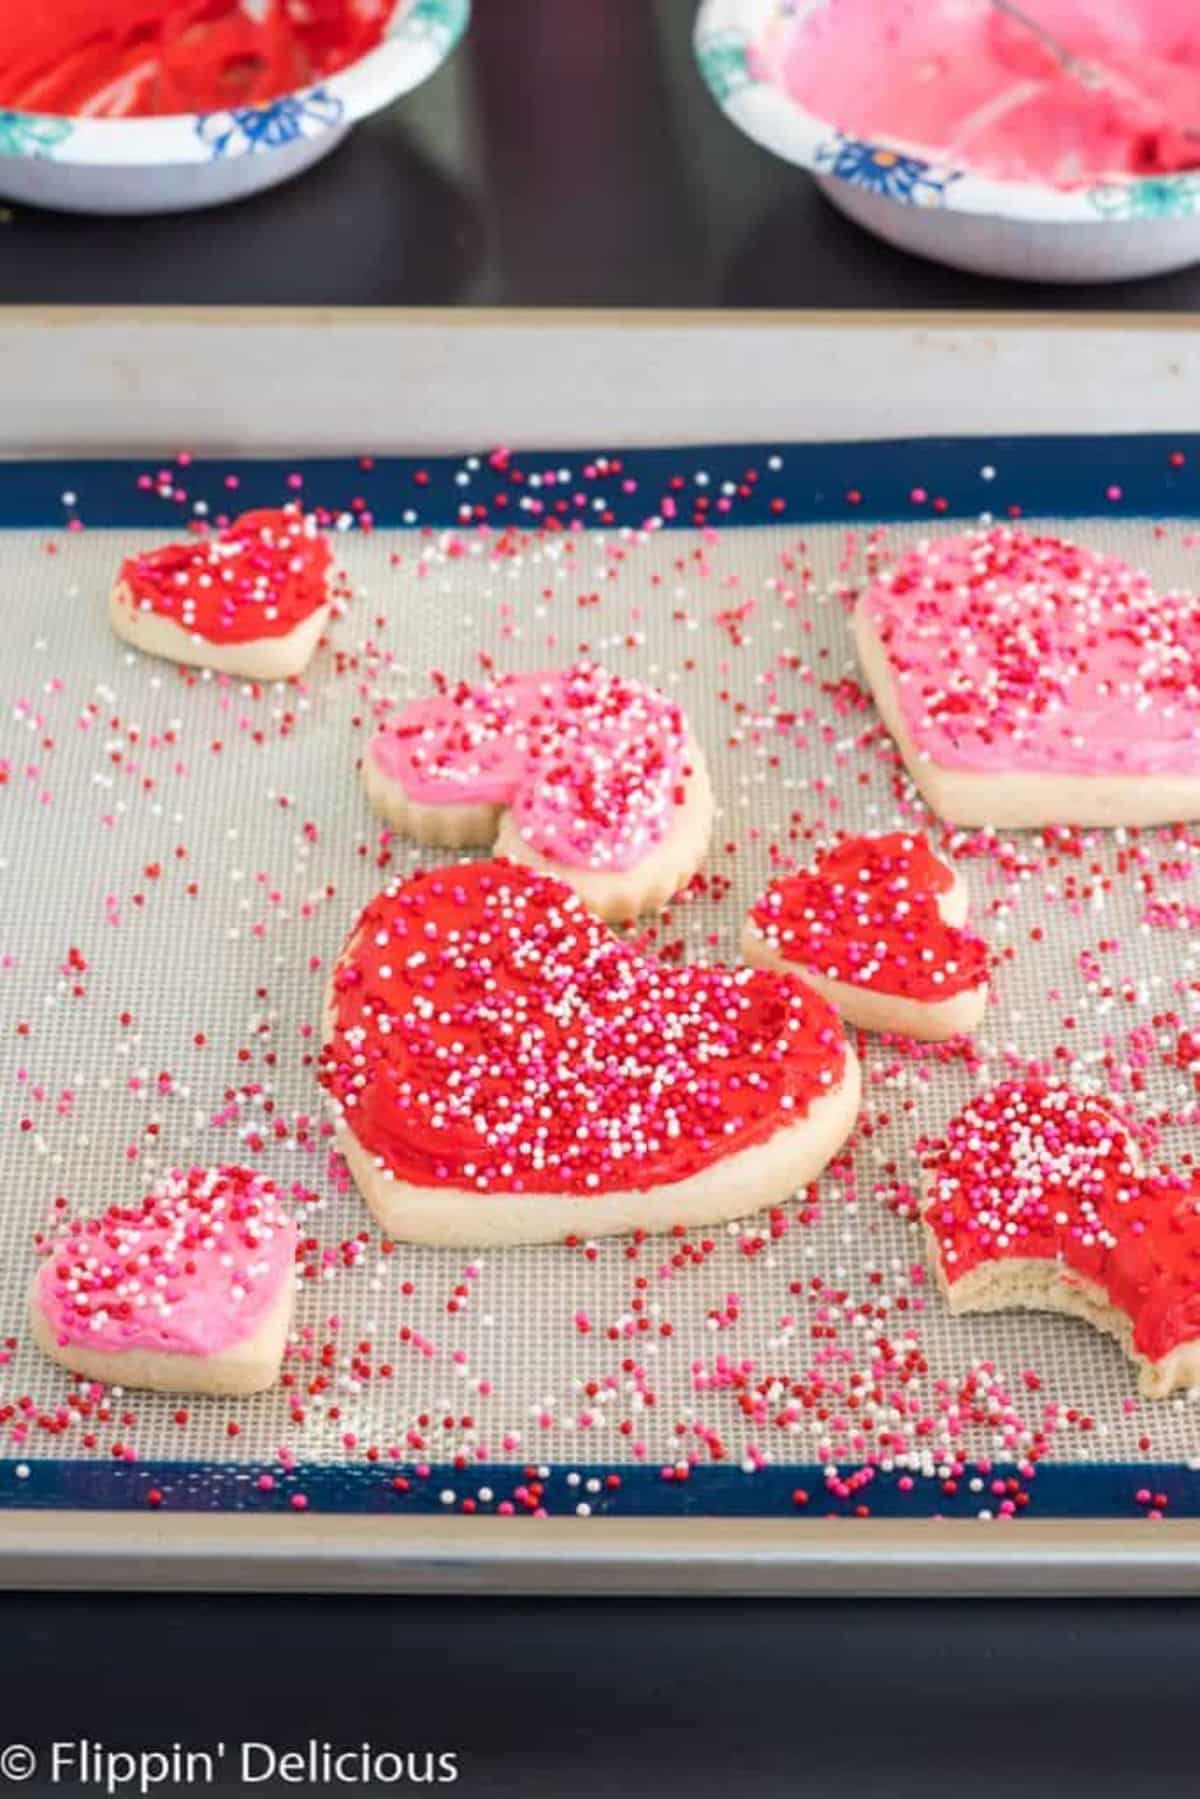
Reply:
x=740, y=48
x=420, y=35
x=894, y=174
x=245, y=130
x=31, y=134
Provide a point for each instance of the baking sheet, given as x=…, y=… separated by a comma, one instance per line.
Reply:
x=182, y=856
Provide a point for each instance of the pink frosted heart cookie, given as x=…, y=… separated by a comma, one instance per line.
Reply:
x=251, y=600
x=189, y=1290
x=584, y=774
x=876, y=926
x=1028, y=681
x=505, y=1070
x=1035, y=1196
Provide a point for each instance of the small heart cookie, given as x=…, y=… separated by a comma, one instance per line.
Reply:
x=251, y=600
x=1027, y=681
x=1035, y=1196
x=578, y=772
x=189, y=1290
x=876, y=926
x=505, y=1070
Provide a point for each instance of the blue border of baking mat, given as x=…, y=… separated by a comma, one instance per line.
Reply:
x=799, y=1490
x=870, y=483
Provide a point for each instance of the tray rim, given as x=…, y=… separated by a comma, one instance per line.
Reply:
x=218, y=378
x=599, y=1556
x=615, y=318
x=198, y=377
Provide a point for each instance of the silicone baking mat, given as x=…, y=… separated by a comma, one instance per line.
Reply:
x=182, y=855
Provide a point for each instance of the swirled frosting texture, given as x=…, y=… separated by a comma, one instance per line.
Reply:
x=490, y=1034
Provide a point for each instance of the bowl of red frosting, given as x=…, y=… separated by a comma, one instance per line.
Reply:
x=126, y=106
x=1061, y=147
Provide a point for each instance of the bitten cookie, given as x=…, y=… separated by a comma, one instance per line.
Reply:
x=189, y=1290
x=578, y=772
x=251, y=600
x=505, y=1070
x=876, y=926
x=1027, y=682
x=1035, y=1196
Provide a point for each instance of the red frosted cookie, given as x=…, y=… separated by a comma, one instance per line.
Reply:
x=876, y=926
x=251, y=600
x=581, y=773
x=189, y=1290
x=1028, y=681
x=1035, y=1196
x=507, y=1071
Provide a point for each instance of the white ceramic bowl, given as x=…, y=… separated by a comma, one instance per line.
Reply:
x=1111, y=231
x=184, y=160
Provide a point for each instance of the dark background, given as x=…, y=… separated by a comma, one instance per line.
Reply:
x=567, y=154
x=637, y=1699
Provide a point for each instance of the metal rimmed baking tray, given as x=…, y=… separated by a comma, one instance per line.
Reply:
x=216, y=846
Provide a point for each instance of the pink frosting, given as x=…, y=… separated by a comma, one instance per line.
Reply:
x=1023, y=653
x=592, y=765
x=972, y=88
x=191, y=1269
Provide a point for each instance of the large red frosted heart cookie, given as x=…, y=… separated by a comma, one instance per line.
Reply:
x=1028, y=681
x=251, y=600
x=876, y=926
x=508, y=1071
x=1035, y=1196
x=578, y=772
x=189, y=1290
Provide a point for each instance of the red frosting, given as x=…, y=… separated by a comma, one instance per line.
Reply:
x=491, y=1034
x=1031, y=1169
x=261, y=577
x=867, y=914
x=130, y=58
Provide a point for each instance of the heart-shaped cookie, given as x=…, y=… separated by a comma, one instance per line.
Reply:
x=1035, y=1196
x=251, y=600
x=581, y=773
x=1028, y=681
x=189, y=1290
x=507, y=1071
x=876, y=926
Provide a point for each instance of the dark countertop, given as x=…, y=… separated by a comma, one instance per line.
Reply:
x=567, y=154
x=632, y=1698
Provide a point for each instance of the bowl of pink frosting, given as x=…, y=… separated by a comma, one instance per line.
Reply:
x=138, y=106
x=1064, y=146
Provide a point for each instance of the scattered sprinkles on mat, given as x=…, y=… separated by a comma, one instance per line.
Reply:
x=185, y=852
